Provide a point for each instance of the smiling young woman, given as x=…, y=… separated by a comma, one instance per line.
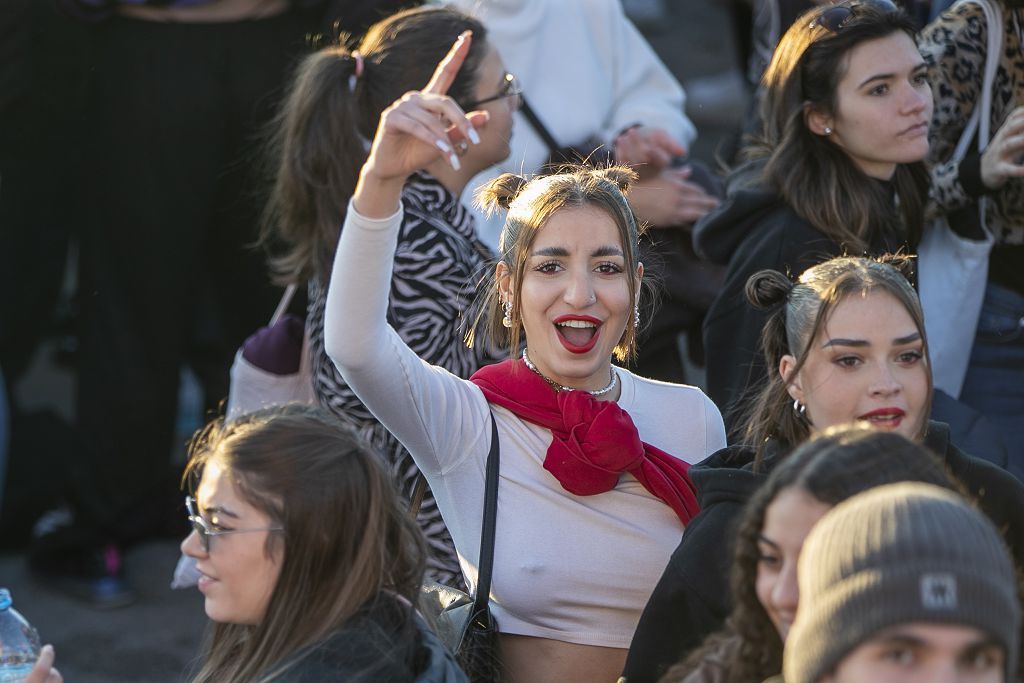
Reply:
x=309, y=561
x=845, y=343
x=593, y=457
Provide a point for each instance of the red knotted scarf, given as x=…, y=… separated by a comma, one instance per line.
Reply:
x=593, y=442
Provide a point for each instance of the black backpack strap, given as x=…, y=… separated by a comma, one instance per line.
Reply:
x=483, y=584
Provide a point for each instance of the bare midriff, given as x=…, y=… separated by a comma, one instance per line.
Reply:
x=526, y=659
x=212, y=12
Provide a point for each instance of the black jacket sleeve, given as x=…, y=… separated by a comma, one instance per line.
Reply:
x=690, y=601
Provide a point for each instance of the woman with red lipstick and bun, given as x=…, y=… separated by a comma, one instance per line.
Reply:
x=836, y=169
x=594, y=489
x=845, y=343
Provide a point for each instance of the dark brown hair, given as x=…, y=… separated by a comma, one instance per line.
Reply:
x=346, y=534
x=841, y=463
x=812, y=174
x=798, y=313
x=530, y=203
x=320, y=137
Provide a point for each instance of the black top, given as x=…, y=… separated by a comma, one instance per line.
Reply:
x=692, y=597
x=754, y=229
x=385, y=642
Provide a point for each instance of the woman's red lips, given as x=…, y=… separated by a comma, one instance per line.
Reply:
x=580, y=341
x=884, y=416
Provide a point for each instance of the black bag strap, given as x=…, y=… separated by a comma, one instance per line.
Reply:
x=539, y=127
x=486, y=563
x=482, y=594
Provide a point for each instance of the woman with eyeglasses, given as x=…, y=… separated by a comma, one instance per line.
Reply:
x=309, y=563
x=836, y=169
x=844, y=343
x=321, y=139
x=594, y=489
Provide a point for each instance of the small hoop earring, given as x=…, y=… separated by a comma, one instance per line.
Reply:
x=506, y=306
x=461, y=147
x=799, y=408
x=827, y=131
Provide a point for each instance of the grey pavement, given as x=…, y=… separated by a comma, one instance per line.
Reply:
x=155, y=640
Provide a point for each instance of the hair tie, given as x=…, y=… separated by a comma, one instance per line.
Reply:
x=358, y=72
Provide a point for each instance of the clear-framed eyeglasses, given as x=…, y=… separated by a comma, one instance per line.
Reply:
x=203, y=528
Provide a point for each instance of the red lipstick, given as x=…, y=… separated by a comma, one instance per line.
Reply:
x=571, y=346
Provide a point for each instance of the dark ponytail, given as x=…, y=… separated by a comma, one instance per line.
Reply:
x=320, y=137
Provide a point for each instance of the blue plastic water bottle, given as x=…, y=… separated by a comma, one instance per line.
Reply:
x=19, y=642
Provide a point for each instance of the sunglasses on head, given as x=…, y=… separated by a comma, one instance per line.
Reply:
x=835, y=18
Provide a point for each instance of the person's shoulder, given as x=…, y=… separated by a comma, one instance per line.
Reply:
x=655, y=388
x=378, y=643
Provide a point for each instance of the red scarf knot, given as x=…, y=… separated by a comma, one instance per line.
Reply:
x=592, y=442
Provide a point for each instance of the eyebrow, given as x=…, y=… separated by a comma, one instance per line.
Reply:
x=218, y=510
x=921, y=66
x=859, y=343
x=607, y=250
x=767, y=541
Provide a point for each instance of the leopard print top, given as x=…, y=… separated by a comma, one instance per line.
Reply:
x=954, y=45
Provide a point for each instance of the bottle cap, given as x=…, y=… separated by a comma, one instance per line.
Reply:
x=5, y=598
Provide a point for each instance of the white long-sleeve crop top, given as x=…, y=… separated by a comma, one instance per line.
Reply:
x=572, y=568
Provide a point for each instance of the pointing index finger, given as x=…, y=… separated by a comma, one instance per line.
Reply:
x=448, y=68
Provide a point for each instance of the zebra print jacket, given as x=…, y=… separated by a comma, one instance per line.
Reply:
x=438, y=266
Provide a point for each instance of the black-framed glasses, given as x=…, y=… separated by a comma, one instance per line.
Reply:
x=509, y=88
x=203, y=530
x=836, y=17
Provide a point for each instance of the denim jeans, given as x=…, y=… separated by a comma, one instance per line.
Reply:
x=994, y=385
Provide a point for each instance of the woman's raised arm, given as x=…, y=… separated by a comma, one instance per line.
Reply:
x=413, y=132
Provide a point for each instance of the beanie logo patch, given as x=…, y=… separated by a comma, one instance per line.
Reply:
x=938, y=591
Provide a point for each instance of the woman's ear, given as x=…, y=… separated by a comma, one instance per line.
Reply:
x=639, y=276
x=817, y=121
x=787, y=364
x=503, y=278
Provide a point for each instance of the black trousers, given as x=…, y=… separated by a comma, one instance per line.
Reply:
x=168, y=273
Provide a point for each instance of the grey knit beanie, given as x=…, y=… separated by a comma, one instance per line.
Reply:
x=897, y=554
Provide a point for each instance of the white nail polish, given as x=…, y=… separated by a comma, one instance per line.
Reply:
x=456, y=164
x=443, y=146
x=474, y=136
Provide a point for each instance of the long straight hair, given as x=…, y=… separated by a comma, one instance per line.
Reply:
x=831, y=468
x=321, y=135
x=346, y=536
x=814, y=176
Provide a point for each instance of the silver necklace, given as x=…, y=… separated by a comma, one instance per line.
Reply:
x=561, y=387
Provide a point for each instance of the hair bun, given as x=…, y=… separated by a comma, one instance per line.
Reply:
x=500, y=192
x=622, y=176
x=767, y=288
x=904, y=263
